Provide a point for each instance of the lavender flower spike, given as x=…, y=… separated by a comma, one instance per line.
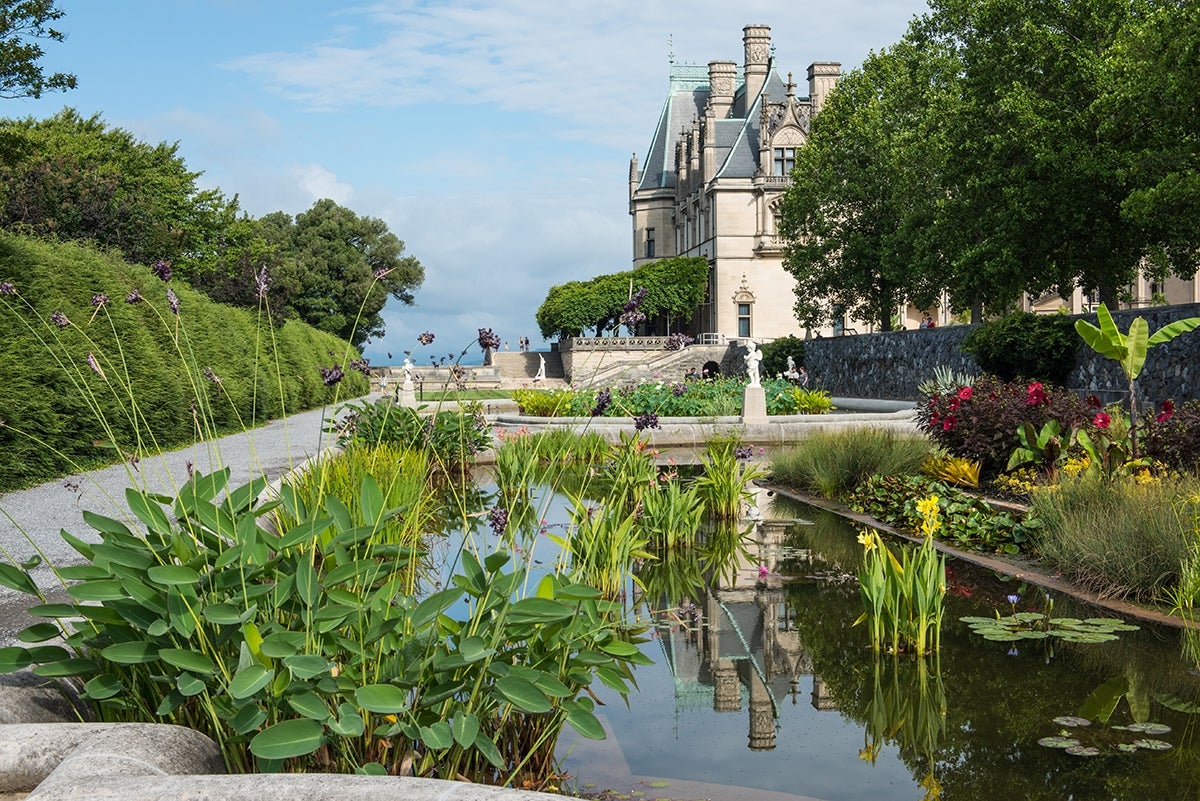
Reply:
x=59, y=319
x=7, y=288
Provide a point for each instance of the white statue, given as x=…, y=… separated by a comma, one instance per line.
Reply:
x=541, y=373
x=408, y=373
x=753, y=358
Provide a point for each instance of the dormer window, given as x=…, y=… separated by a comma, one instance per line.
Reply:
x=785, y=160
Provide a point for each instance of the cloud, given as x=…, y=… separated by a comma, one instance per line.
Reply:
x=318, y=182
x=596, y=66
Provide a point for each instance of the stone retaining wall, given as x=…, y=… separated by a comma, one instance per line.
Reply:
x=890, y=365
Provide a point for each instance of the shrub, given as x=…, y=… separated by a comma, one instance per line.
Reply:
x=1123, y=538
x=774, y=361
x=833, y=463
x=798, y=400
x=1025, y=345
x=980, y=422
x=229, y=366
x=452, y=437
x=1172, y=436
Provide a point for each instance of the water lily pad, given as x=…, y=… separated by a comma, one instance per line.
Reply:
x=1149, y=728
x=1086, y=636
x=1028, y=617
x=1083, y=750
x=1126, y=748
x=1072, y=720
x=974, y=620
x=1058, y=741
x=1153, y=745
x=1066, y=622
x=1002, y=636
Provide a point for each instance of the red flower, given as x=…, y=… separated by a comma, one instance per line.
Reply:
x=948, y=423
x=1093, y=402
x=965, y=393
x=953, y=404
x=934, y=419
x=1165, y=411
x=1035, y=395
x=1101, y=420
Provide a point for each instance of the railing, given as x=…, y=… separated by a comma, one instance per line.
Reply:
x=614, y=343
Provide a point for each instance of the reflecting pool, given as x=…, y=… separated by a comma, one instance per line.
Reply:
x=762, y=688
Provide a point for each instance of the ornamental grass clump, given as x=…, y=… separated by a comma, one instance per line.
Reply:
x=833, y=463
x=902, y=595
x=1124, y=538
x=729, y=469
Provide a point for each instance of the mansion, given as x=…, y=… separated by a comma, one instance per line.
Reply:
x=718, y=164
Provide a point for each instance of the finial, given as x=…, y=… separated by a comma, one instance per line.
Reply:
x=671, y=48
x=791, y=85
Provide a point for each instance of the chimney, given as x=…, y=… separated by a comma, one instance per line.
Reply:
x=722, y=76
x=757, y=39
x=822, y=77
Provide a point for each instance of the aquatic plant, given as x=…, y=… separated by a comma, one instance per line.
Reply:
x=902, y=595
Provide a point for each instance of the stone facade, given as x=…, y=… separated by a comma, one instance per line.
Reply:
x=891, y=365
x=717, y=166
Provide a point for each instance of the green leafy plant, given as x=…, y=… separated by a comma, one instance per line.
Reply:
x=453, y=437
x=1129, y=350
x=775, y=353
x=303, y=649
x=798, y=400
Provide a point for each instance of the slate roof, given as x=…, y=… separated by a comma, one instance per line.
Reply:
x=737, y=138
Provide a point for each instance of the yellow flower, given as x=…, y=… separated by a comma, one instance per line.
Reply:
x=928, y=506
x=867, y=540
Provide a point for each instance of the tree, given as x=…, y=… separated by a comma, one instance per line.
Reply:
x=23, y=24
x=674, y=287
x=76, y=178
x=1036, y=175
x=859, y=190
x=339, y=269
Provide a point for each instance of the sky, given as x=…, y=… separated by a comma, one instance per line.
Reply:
x=492, y=136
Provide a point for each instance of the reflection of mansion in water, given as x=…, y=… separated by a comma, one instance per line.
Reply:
x=746, y=653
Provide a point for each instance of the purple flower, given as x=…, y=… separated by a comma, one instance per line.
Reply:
x=173, y=301
x=99, y=299
x=678, y=390
x=1012, y=599
x=361, y=365
x=59, y=319
x=743, y=453
x=261, y=280
x=425, y=338
x=162, y=269
x=95, y=365
x=603, y=401
x=498, y=520
x=134, y=297
x=646, y=420
x=7, y=288
x=630, y=314
x=381, y=272
x=488, y=339
x=332, y=375
x=679, y=341
x=211, y=376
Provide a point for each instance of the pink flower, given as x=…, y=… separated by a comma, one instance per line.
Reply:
x=948, y=423
x=1035, y=395
x=762, y=571
x=1101, y=420
x=965, y=393
x=1165, y=412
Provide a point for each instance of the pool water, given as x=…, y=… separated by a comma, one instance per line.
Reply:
x=762, y=688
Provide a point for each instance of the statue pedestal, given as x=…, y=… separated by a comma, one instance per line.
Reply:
x=408, y=396
x=754, y=405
